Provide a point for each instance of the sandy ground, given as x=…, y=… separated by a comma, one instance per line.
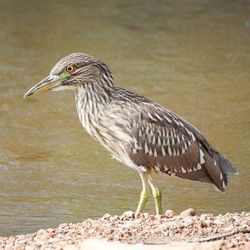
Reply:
x=142, y=231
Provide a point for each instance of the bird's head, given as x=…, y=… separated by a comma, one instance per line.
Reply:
x=77, y=69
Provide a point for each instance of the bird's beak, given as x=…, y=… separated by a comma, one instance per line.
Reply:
x=47, y=83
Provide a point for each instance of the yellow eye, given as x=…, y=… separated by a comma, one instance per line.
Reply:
x=70, y=68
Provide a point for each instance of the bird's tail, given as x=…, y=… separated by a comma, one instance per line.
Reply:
x=226, y=167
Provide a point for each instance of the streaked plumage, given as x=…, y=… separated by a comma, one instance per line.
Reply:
x=138, y=131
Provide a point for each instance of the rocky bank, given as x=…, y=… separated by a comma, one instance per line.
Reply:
x=142, y=231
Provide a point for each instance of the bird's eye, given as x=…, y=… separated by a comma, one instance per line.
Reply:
x=70, y=68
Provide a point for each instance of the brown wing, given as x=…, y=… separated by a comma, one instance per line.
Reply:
x=165, y=142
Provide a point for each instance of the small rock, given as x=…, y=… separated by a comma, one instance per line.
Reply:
x=105, y=216
x=49, y=230
x=158, y=216
x=187, y=221
x=146, y=215
x=188, y=212
x=136, y=215
x=137, y=221
x=63, y=225
x=169, y=213
x=228, y=229
x=151, y=217
x=208, y=222
x=218, y=222
x=128, y=214
x=203, y=216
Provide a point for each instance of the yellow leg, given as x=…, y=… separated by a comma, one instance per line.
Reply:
x=144, y=193
x=157, y=196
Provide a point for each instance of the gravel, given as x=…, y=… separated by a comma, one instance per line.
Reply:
x=231, y=230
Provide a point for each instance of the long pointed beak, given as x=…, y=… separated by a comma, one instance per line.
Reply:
x=47, y=83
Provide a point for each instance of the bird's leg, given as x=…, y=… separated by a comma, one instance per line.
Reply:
x=144, y=193
x=157, y=196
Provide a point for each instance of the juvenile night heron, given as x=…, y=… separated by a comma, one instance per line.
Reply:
x=137, y=131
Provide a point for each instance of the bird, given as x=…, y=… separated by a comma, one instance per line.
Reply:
x=137, y=131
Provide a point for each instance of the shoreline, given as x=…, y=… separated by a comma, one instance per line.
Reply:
x=142, y=231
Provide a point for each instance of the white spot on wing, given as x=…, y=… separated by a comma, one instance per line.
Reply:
x=151, y=117
x=182, y=151
x=181, y=124
x=198, y=166
x=176, y=122
x=221, y=177
x=188, y=131
x=166, y=168
x=159, y=141
x=202, y=160
x=169, y=151
x=164, y=141
x=168, y=143
x=155, y=153
x=153, y=141
x=151, y=132
x=168, y=120
x=178, y=139
x=150, y=152
x=172, y=141
x=159, y=117
x=163, y=151
x=193, y=138
x=174, y=152
x=157, y=167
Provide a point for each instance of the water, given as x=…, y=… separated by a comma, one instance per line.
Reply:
x=193, y=57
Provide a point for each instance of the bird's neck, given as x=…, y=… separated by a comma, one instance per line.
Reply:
x=92, y=100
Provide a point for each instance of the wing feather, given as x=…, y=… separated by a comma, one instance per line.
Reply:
x=173, y=146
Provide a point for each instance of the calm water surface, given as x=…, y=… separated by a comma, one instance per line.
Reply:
x=193, y=57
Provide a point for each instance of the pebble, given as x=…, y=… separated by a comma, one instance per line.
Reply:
x=146, y=215
x=188, y=212
x=218, y=222
x=158, y=217
x=169, y=213
x=138, y=228
x=228, y=229
x=203, y=217
x=128, y=214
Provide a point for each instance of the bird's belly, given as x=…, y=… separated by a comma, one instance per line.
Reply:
x=129, y=163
